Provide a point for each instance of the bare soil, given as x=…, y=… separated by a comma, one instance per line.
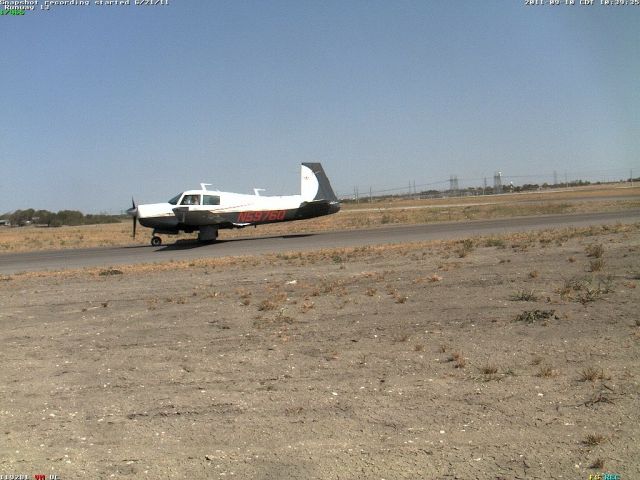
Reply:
x=486, y=359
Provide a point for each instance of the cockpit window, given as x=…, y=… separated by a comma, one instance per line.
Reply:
x=190, y=200
x=174, y=200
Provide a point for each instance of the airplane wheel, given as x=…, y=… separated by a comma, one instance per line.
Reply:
x=156, y=241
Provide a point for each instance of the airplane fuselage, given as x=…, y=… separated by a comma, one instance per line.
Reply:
x=235, y=211
x=207, y=211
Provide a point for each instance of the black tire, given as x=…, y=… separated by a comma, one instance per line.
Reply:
x=156, y=241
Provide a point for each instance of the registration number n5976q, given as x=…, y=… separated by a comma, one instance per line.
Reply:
x=261, y=216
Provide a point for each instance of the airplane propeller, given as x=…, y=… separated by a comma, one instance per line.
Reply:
x=133, y=211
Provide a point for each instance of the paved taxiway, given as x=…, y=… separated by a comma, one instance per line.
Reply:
x=104, y=257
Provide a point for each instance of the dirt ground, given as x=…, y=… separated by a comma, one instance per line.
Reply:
x=506, y=358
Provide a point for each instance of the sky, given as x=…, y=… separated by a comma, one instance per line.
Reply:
x=102, y=103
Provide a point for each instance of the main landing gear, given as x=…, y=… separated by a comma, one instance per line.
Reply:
x=207, y=234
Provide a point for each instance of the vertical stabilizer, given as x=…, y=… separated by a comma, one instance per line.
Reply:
x=314, y=184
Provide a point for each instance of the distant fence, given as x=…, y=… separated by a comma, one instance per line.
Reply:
x=498, y=183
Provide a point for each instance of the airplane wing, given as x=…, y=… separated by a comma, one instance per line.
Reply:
x=197, y=216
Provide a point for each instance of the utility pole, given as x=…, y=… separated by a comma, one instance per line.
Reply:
x=370, y=197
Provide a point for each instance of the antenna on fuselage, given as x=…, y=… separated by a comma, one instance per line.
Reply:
x=203, y=186
x=257, y=191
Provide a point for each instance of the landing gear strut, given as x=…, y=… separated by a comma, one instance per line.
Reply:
x=156, y=241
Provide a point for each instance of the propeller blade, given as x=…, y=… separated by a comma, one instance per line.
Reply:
x=133, y=211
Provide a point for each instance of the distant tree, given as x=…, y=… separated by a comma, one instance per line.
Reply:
x=15, y=217
x=43, y=217
x=91, y=219
x=70, y=217
x=21, y=217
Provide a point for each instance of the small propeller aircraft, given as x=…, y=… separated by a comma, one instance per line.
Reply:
x=208, y=211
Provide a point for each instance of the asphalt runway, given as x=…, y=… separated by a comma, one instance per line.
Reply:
x=107, y=257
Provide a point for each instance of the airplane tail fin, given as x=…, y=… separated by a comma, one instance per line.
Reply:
x=314, y=184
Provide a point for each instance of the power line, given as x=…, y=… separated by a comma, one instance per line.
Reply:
x=481, y=182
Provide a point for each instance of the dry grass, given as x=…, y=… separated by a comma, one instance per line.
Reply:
x=594, y=191
x=350, y=217
x=545, y=371
x=524, y=296
x=595, y=250
x=489, y=369
x=110, y=271
x=268, y=304
x=306, y=306
x=585, y=290
x=494, y=242
x=593, y=439
x=591, y=374
x=458, y=359
x=465, y=247
x=532, y=316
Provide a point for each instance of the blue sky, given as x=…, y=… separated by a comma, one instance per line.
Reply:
x=102, y=102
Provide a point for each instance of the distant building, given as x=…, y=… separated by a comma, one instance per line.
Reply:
x=4, y=223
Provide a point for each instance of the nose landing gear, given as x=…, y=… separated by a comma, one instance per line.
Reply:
x=156, y=241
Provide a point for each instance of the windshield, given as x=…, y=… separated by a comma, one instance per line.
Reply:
x=174, y=200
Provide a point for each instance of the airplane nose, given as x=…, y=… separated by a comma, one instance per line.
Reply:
x=133, y=211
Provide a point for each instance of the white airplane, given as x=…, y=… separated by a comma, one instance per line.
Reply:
x=207, y=211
